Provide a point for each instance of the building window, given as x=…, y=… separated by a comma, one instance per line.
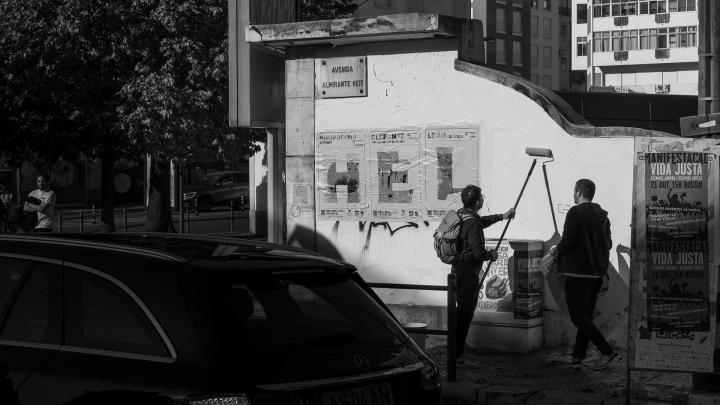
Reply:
x=534, y=55
x=601, y=41
x=517, y=23
x=581, y=46
x=500, y=52
x=564, y=63
x=547, y=5
x=681, y=5
x=582, y=13
x=500, y=19
x=601, y=8
x=547, y=28
x=654, y=38
x=517, y=53
x=534, y=3
x=534, y=78
x=623, y=7
x=626, y=40
x=547, y=57
x=383, y=3
x=564, y=8
x=682, y=37
x=652, y=6
x=563, y=32
x=534, y=26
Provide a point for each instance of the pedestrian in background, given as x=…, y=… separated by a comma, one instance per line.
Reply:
x=582, y=255
x=9, y=217
x=41, y=201
x=473, y=254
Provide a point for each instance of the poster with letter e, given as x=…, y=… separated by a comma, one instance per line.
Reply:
x=672, y=324
x=395, y=191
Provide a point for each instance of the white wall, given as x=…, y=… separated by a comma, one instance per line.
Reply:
x=425, y=90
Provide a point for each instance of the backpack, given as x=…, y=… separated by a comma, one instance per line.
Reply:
x=447, y=237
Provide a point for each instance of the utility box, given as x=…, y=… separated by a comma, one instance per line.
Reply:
x=517, y=327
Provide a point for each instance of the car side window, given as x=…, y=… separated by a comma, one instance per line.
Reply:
x=35, y=314
x=11, y=271
x=100, y=315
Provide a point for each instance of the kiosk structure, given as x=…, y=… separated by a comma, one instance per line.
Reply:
x=388, y=118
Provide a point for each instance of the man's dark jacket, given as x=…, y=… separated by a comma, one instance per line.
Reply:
x=472, y=238
x=585, y=245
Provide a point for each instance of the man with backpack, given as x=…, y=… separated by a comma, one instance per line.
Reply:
x=468, y=265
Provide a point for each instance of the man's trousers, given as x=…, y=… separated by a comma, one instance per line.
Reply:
x=468, y=288
x=581, y=296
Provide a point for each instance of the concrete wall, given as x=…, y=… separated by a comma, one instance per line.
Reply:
x=422, y=90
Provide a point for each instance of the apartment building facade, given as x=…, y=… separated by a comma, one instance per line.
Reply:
x=640, y=46
x=529, y=38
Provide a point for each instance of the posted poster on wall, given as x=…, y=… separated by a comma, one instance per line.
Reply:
x=384, y=175
x=673, y=285
x=496, y=294
x=395, y=189
x=451, y=157
x=341, y=170
x=299, y=187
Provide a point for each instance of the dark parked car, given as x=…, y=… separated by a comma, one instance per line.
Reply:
x=171, y=319
x=218, y=188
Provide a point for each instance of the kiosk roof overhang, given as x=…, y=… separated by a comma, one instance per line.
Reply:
x=347, y=31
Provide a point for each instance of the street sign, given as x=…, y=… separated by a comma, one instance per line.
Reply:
x=699, y=125
x=341, y=77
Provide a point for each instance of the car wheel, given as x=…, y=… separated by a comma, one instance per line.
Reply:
x=204, y=203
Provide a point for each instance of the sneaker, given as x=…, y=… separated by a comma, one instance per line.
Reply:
x=460, y=360
x=576, y=363
x=605, y=360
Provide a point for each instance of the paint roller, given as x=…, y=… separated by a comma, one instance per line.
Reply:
x=537, y=153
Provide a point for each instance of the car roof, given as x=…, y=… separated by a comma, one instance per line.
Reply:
x=182, y=248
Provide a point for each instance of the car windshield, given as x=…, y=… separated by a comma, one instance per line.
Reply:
x=303, y=325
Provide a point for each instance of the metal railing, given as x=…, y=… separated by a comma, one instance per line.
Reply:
x=451, y=330
x=78, y=220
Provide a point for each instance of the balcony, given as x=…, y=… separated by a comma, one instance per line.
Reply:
x=662, y=18
x=621, y=21
x=620, y=56
x=663, y=53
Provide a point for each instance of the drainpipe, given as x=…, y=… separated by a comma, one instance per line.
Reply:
x=590, y=50
x=708, y=103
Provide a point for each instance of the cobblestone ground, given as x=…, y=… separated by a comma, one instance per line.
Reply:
x=549, y=369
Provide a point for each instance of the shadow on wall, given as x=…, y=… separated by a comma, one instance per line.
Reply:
x=310, y=240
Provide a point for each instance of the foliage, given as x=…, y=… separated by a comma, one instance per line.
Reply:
x=312, y=10
x=81, y=77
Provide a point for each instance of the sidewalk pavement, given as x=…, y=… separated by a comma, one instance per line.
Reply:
x=545, y=377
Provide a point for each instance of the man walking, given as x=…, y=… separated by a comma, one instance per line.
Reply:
x=469, y=266
x=42, y=201
x=583, y=254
